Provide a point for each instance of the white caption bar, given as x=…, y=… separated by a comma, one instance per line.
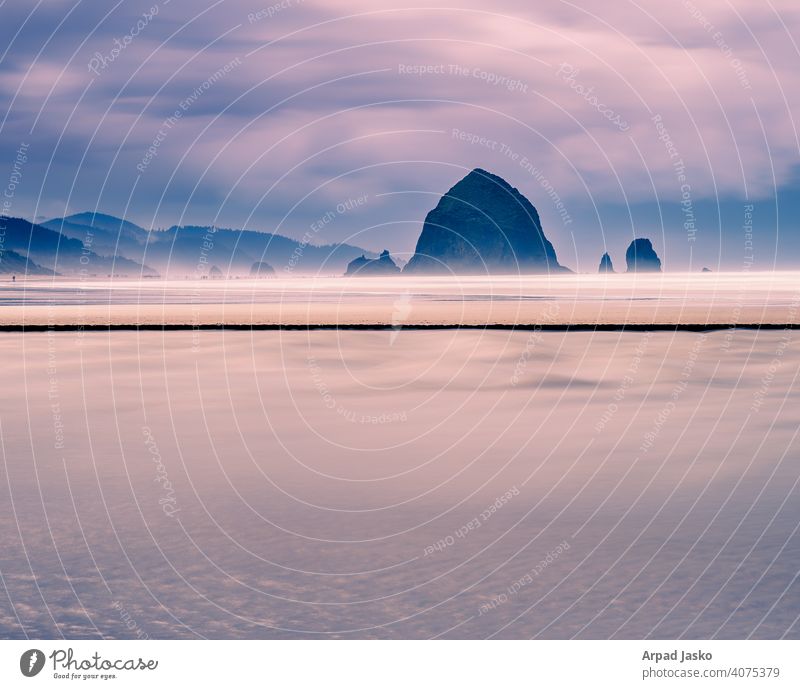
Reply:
x=401, y=664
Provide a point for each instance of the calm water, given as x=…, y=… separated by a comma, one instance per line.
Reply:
x=400, y=484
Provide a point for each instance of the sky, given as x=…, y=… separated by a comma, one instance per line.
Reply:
x=345, y=120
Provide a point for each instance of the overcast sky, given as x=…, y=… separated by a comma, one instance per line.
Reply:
x=647, y=118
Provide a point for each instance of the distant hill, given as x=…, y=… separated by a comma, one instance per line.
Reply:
x=110, y=223
x=237, y=250
x=102, y=239
x=191, y=250
x=13, y=263
x=63, y=254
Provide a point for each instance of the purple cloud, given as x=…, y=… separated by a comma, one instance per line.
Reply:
x=268, y=114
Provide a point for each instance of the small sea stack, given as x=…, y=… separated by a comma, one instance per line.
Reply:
x=260, y=269
x=364, y=267
x=606, y=266
x=642, y=258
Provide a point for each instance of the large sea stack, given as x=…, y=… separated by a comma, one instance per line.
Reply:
x=482, y=226
x=642, y=258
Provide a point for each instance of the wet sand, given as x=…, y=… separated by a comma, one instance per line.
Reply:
x=669, y=298
x=400, y=484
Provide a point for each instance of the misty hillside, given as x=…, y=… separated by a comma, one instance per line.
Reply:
x=191, y=250
x=104, y=241
x=111, y=224
x=63, y=254
x=14, y=263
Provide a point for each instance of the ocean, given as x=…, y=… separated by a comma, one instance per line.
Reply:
x=400, y=483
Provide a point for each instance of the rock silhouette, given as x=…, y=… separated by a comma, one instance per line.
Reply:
x=261, y=269
x=642, y=258
x=363, y=266
x=483, y=225
x=606, y=266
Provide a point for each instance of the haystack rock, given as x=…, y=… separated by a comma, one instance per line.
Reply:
x=261, y=269
x=363, y=266
x=483, y=225
x=606, y=266
x=642, y=258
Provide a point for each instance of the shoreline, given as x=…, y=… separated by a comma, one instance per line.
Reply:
x=525, y=327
